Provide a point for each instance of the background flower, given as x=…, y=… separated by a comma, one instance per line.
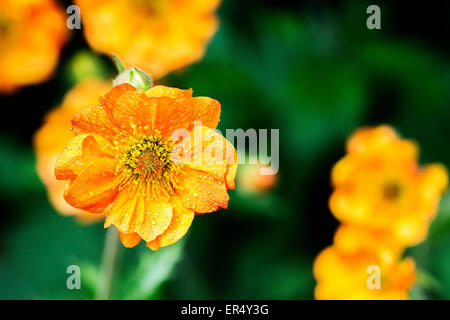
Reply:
x=380, y=186
x=250, y=178
x=362, y=264
x=54, y=135
x=157, y=36
x=344, y=276
x=31, y=36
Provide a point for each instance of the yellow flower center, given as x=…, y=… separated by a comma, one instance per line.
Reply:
x=5, y=26
x=392, y=191
x=152, y=7
x=148, y=164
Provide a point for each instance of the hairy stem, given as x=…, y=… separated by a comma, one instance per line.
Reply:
x=118, y=64
x=110, y=261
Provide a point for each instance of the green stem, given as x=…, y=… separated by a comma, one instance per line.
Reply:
x=109, y=265
x=118, y=64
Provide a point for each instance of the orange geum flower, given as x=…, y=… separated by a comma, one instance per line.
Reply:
x=362, y=265
x=158, y=36
x=380, y=186
x=51, y=139
x=124, y=161
x=348, y=239
x=342, y=276
x=251, y=178
x=31, y=36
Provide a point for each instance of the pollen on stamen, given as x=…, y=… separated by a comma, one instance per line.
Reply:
x=147, y=164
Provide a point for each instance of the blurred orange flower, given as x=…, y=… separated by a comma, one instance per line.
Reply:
x=349, y=275
x=32, y=33
x=348, y=239
x=54, y=135
x=157, y=36
x=251, y=179
x=120, y=162
x=379, y=186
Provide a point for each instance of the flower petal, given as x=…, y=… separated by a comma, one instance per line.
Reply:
x=207, y=110
x=95, y=187
x=78, y=153
x=68, y=164
x=210, y=153
x=181, y=221
x=434, y=180
x=231, y=175
x=382, y=140
x=174, y=114
x=202, y=192
x=108, y=100
x=347, y=205
x=129, y=240
x=163, y=91
x=94, y=119
x=134, y=109
x=133, y=212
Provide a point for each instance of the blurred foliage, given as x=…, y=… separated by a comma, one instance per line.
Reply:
x=313, y=71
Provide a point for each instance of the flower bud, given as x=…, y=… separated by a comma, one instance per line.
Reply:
x=136, y=77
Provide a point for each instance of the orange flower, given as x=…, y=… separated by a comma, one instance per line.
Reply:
x=157, y=36
x=344, y=277
x=122, y=162
x=348, y=239
x=348, y=269
x=54, y=135
x=251, y=179
x=380, y=186
x=32, y=33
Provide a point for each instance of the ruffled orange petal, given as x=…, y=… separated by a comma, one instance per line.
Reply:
x=94, y=119
x=170, y=92
x=382, y=140
x=347, y=206
x=174, y=114
x=134, y=108
x=343, y=169
x=181, y=221
x=202, y=192
x=405, y=274
x=207, y=111
x=108, y=100
x=231, y=174
x=78, y=153
x=55, y=193
x=212, y=153
x=133, y=212
x=95, y=187
x=350, y=239
x=96, y=146
x=434, y=178
x=130, y=240
x=68, y=164
x=367, y=138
